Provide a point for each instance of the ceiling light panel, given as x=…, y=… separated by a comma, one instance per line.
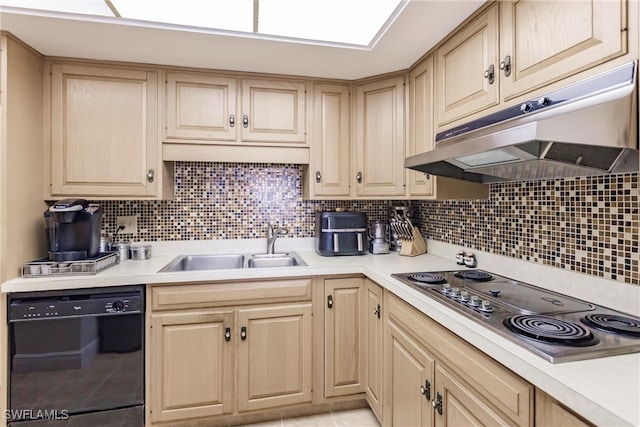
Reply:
x=84, y=7
x=340, y=21
x=228, y=15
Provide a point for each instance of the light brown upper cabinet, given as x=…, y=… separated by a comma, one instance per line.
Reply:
x=328, y=173
x=273, y=111
x=216, y=117
x=102, y=137
x=544, y=41
x=421, y=139
x=466, y=73
x=380, y=133
x=523, y=48
x=200, y=106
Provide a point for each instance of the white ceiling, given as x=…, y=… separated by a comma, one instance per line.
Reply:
x=419, y=27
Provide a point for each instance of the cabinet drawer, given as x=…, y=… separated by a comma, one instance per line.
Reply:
x=192, y=295
x=496, y=385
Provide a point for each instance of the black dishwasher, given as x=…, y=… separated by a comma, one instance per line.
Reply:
x=77, y=357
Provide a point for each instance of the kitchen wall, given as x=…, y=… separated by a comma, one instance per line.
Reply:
x=590, y=225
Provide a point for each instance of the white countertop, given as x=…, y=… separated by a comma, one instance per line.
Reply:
x=605, y=391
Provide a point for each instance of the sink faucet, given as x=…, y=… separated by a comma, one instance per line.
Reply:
x=272, y=235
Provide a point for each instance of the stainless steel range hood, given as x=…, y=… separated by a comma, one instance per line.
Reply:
x=588, y=128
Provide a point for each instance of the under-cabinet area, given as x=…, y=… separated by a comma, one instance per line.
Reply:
x=245, y=350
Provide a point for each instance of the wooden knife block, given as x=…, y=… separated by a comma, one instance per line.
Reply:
x=414, y=247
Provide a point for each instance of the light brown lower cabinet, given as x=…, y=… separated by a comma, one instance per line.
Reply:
x=432, y=377
x=374, y=333
x=274, y=356
x=408, y=379
x=209, y=361
x=240, y=349
x=550, y=412
x=192, y=365
x=343, y=337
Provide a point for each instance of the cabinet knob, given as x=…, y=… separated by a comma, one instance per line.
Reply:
x=227, y=334
x=437, y=403
x=359, y=177
x=506, y=65
x=425, y=390
x=151, y=175
x=245, y=121
x=330, y=301
x=427, y=176
x=490, y=74
x=376, y=311
x=232, y=120
x=318, y=176
x=243, y=333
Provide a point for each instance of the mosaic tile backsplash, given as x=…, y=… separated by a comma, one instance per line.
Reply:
x=589, y=225
x=230, y=201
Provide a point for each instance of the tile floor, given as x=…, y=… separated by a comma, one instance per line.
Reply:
x=362, y=417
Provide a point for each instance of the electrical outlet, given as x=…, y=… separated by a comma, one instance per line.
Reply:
x=130, y=224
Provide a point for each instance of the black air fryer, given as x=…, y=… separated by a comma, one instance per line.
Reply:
x=341, y=233
x=72, y=228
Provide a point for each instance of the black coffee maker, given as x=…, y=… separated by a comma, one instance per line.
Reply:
x=72, y=228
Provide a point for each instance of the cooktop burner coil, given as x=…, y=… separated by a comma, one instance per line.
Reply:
x=613, y=323
x=477, y=275
x=550, y=330
x=427, y=278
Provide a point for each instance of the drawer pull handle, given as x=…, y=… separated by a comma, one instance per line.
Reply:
x=330, y=301
x=243, y=333
x=227, y=334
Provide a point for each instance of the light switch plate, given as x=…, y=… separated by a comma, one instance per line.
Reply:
x=130, y=224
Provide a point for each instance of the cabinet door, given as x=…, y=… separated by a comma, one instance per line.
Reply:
x=380, y=138
x=344, y=340
x=274, y=356
x=373, y=352
x=104, y=137
x=201, y=107
x=273, y=111
x=549, y=412
x=457, y=405
x=421, y=136
x=191, y=365
x=330, y=159
x=577, y=35
x=461, y=65
x=409, y=374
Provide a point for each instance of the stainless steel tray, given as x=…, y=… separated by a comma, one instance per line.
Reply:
x=43, y=267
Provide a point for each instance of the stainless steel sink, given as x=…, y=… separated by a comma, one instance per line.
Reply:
x=232, y=261
x=204, y=262
x=289, y=259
